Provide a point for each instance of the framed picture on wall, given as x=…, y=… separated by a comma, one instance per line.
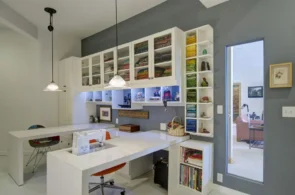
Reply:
x=255, y=92
x=105, y=113
x=280, y=75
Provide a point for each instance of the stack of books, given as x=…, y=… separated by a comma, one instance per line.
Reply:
x=191, y=177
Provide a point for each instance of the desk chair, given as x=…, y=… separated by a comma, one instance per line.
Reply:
x=41, y=147
x=110, y=183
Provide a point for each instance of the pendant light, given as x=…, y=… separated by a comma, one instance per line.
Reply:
x=52, y=86
x=117, y=81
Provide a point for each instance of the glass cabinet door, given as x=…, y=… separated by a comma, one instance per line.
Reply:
x=124, y=62
x=85, y=72
x=96, y=76
x=163, y=56
x=109, y=67
x=141, y=60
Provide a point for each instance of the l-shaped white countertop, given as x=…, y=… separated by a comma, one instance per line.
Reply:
x=53, y=131
x=127, y=146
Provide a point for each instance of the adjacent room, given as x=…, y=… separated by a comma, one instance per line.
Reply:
x=136, y=97
x=246, y=129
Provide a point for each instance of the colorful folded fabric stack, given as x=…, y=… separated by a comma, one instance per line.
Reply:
x=163, y=57
x=191, y=95
x=142, y=61
x=159, y=72
x=191, y=65
x=125, y=75
x=167, y=72
x=125, y=65
x=191, y=51
x=163, y=41
x=141, y=47
x=191, y=125
x=142, y=74
x=191, y=80
x=191, y=111
x=191, y=39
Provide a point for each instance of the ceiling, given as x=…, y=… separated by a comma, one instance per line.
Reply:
x=81, y=18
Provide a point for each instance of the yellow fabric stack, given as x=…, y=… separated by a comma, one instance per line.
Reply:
x=191, y=51
x=191, y=39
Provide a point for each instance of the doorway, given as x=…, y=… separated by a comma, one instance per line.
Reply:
x=245, y=108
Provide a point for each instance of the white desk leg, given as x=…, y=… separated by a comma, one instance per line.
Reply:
x=64, y=179
x=16, y=160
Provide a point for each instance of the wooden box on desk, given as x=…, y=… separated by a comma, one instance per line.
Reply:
x=129, y=128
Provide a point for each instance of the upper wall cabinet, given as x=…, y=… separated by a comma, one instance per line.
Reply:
x=153, y=61
x=158, y=59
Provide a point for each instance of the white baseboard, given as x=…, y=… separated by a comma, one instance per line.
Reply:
x=218, y=189
x=26, y=153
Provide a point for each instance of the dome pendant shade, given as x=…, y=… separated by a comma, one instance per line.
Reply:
x=52, y=87
x=117, y=82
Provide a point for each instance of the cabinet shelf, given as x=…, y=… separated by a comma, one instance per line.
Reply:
x=163, y=49
x=204, y=87
x=205, y=56
x=210, y=103
x=109, y=72
x=192, y=44
x=95, y=65
x=190, y=58
x=163, y=64
x=123, y=70
x=205, y=119
x=205, y=72
x=109, y=62
x=85, y=67
x=96, y=75
x=204, y=134
x=206, y=42
x=141, y=54
x=140, y=67
x=191, y=165
x=123, y=58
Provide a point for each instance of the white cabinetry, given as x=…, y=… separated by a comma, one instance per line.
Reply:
x=190, y=177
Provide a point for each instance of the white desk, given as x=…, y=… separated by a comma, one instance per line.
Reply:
x=69, y=174
x=17, y=138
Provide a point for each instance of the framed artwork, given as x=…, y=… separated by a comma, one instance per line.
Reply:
x=105, y=113
x=280, y=75
x=236, y=101
x=255, y=92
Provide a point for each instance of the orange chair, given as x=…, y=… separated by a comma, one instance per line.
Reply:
x=110, y=183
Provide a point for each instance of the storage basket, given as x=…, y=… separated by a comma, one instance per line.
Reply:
x=175, y=128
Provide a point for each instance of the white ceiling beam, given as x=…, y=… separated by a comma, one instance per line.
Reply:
x=212, y=3
x=13, y=20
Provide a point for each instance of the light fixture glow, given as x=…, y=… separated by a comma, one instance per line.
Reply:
x=117, y=81
x=52, y=87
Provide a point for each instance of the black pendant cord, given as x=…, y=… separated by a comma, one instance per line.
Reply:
x=116, y=3
x=52, y=53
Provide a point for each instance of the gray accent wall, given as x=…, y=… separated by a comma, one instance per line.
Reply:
x=234, y=22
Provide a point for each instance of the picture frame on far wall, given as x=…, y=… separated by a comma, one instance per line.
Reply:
x=280, y=75
x=255, y=92
x=105, y=113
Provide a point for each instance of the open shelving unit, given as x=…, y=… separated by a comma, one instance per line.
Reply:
x=199, y=81
x=109, y=65
x=195, y=167
x=99, y=97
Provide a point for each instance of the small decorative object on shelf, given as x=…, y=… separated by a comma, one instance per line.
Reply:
x=205, y=52
x=205, y=99
x=139, y=96
x=203, y=130
x=205, y=66
x=167, y=94
x=177, y=97
x=203, y=115
x=204, y=83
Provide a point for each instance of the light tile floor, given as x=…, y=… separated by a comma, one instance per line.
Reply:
x=36, y=184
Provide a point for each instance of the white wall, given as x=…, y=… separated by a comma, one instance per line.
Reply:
x=248, y=61
x=25, y=70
